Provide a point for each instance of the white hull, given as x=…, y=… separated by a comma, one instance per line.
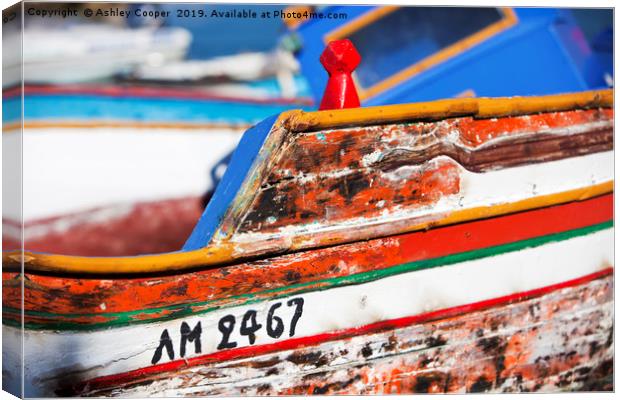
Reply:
x=86, y=355
x=68, y=170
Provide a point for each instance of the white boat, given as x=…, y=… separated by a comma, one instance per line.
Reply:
x=82, y=53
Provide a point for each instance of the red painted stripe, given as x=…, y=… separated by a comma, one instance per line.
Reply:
x=127, y=294
x=289, y=344
x=496, y=231
x=148, y=92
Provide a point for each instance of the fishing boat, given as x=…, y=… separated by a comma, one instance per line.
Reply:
x=114, y=141
x=69, y=53
x=459, y=245
x=192, y=113
x=442, y=52
x=143, y=151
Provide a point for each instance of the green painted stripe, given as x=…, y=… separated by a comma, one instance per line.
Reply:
x=178, y=311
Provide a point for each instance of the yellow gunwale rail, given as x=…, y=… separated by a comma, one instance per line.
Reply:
x=481, y=107
x=298, y=121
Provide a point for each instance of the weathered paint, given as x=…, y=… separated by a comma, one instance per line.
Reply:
x=553, y=340
x=433, y=199
x=367, y=174
x=314, y=203
x=440, y=109
x=186, y=127
x=226, y=253
x=79, y=301
x=409, y=290
x=243, y=160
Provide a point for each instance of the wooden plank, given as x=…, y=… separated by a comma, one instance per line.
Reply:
x=358, y=174
x=247, y=230
x=562, y=340
x=482, y=108
x=315, y=313
x=83, y=297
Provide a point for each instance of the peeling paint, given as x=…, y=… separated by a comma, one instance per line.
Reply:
x=459, y=354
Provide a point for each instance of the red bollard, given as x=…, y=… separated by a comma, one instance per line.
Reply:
x=340, y=58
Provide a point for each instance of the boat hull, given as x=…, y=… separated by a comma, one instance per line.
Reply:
x=108, y=166
x=559, y=341
x=559, y=271
x=555, y=338
x=136, y=191
x=432, y=263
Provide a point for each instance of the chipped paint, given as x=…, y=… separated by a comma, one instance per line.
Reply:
x=555, y=342
x=369, y=302
x=301, y=217
x=410, y=290
x=78, y=299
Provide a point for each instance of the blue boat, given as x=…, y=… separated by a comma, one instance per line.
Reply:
x=424, y=53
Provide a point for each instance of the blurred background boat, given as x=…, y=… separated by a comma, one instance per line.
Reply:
x=86, y=53
x=427, y=53
x=109, y=103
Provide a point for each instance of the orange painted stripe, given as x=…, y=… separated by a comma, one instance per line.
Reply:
x=127, y=294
